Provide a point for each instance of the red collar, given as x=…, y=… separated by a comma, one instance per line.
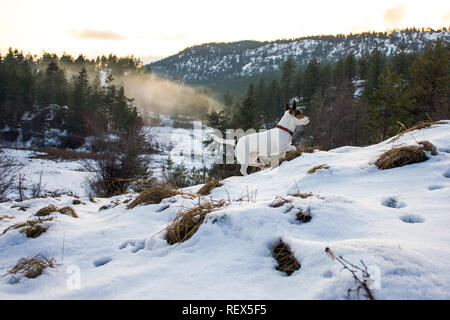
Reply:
x=285, y=129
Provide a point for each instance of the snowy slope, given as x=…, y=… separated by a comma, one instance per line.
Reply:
x=358, y=211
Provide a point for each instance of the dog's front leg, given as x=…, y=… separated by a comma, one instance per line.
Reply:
x=292, y=148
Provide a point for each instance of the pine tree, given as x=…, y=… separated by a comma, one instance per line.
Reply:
x=431, y=82
x=376, y=64
x=78, y=107
x=288, y=71
x=391, y=104
x=350, y=67
x=247, y=117
x=311, y=80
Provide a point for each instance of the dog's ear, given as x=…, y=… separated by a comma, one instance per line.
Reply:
x=294, y=105
x=287, y=107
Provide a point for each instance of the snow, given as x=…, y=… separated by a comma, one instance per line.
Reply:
x=57, y=176
x=183, y=146
x=395, y=220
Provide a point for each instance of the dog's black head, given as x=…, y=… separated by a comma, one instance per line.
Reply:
x=294, y=111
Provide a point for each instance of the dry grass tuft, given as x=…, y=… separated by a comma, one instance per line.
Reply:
x=319, y=167
x=290, y=155
x=76, y=201
x=278, y=202
x=20, y=207
x=92, y=199
x=68, y=211
x=187, y=223
x=287, y=262
x=34, y=231
x=47, y=210
x=5, y=216
x=302, y=195
x=32, y=228
x=211, y=184
x=418, y=126
x=428, y=146
x=399, y=157
x=153, y=195
x=303, y=217
x=31, y=267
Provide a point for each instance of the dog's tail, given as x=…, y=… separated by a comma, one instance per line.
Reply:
x=218, y=140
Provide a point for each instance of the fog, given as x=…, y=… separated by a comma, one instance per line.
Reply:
x=167, y=97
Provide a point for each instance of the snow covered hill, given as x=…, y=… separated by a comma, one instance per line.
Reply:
x=397, y=221
x=206, y=63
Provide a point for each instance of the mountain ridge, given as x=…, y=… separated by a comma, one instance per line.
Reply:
x=210, y=63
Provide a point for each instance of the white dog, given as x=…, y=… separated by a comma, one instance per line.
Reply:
x=274, y=142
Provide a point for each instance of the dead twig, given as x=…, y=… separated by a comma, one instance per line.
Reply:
x=353, y=269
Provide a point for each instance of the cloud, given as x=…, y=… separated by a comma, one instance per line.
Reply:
x=393, y=16
x=446, y=18
x=96, y=35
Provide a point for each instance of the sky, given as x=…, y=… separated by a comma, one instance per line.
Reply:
x=154, y=29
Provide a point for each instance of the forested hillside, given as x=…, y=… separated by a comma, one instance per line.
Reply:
x=221, y=65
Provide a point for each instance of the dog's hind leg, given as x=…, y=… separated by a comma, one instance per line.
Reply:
x=244, y=167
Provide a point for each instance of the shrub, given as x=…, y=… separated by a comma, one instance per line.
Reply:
x=287, y=262
x=180, y=176
x=399, y=157
x=72, y=141
x=6, y=176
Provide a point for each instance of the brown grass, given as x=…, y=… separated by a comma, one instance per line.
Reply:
x=290, y=155
x=92, y=199
x=287, y=262
x=399, y=157
x=68, y=211
x=278, y=202
x=303, y=217
x=428, y=146
x=31, y=267
x=187, y=223
x=153, y=195
x=206, y=189
x=45, y=211
x=302, y=195
x=76, y=201
x=21, y=207
x=32, y=228
x=5, y=216
x=418, y=126
x=319, y=167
